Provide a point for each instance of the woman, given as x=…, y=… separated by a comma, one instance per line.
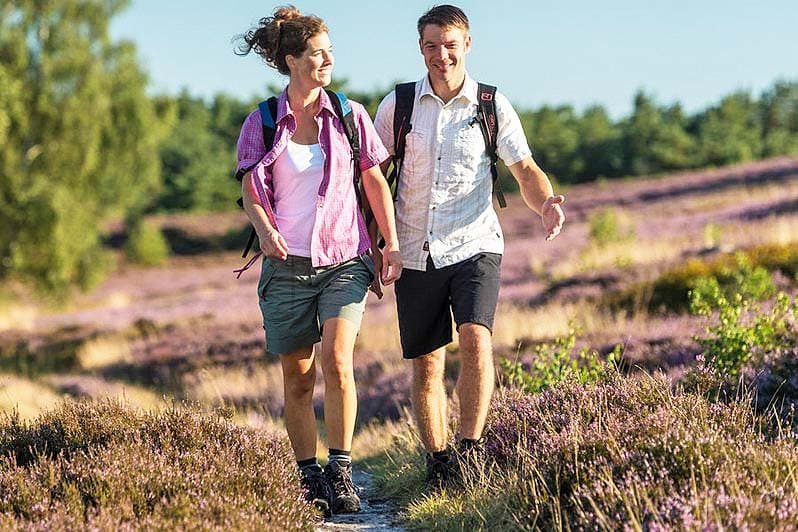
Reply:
x=316, y=269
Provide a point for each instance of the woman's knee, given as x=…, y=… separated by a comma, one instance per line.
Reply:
x=338, y=370
x=299, y=386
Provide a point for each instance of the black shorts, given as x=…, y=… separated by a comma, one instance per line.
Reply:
x=425, y=301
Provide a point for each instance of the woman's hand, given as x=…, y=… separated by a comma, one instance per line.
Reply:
x=273, y=245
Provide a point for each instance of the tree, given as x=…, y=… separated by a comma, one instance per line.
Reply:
x=600, y=145
x=780, y=119
x=554, y=137
x=198, y=164
x=79, y=138
x=655, y=139
x=731, y=131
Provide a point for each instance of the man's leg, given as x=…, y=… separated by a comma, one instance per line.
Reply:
x=429, y=400
x=476, y=381
x=475, y=292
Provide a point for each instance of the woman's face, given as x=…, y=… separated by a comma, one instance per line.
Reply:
x=314, y=66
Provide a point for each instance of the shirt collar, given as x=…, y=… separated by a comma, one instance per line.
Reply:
x=283, y=109
x=468, y=90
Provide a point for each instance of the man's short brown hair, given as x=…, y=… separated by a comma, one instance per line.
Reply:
x=445, y=16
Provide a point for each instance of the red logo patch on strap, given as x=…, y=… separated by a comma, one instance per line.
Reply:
x=486, y=96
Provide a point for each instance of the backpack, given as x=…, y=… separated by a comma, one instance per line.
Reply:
x=486, y=118
x=343, y=110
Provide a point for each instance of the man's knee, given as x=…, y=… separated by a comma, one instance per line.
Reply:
x=475, y=341
x=428, y=369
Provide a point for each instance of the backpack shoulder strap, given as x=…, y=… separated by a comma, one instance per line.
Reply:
x=343, y=109
x=268, y=114
x=402, y=113
x=488, y=123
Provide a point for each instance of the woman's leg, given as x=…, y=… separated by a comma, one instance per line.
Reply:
x=340, y=398
x=299, y=377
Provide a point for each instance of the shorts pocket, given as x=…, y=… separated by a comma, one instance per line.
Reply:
x=369, y=263
x=267, y=271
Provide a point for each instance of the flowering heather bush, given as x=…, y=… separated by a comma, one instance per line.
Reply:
x=104, y=466
x=633, y=453
x=775, y=382
x=628, y=453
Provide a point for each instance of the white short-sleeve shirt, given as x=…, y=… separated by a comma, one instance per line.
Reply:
x=444, y=208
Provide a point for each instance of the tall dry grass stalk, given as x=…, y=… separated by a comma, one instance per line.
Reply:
x=236, y=385
x=515, y=323
x=29, y=398
x=104, y=351
x=99, y=389
x=379, y=337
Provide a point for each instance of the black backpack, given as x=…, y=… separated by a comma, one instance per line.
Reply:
x=268, y=113
x=486, y=118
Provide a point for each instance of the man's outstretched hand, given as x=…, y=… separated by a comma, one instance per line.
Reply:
x=552, y=215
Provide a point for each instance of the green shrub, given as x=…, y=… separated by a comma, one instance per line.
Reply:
x=608, y=226
x=146, y=244
x=743, y=332
x=744, y=272
x=556, y=362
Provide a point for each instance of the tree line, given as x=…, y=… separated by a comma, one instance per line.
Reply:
x=81, y=141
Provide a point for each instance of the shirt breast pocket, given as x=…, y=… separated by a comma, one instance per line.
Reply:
x=417, y=158
x=469, y=149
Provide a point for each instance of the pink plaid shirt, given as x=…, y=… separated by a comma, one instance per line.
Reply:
x=339, y=231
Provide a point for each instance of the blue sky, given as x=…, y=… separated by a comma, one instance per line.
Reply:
x=537, y=52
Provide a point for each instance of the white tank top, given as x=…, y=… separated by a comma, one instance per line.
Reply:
x=297, y=172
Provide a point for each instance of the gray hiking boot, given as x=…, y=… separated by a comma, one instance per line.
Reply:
x=317, y=489
x=344, y=493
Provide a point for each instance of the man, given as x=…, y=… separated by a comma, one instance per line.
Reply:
x=450, y=236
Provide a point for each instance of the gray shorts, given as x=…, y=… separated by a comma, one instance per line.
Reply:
x=296, y=298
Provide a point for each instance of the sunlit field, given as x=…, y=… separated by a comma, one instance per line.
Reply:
x=652, y=440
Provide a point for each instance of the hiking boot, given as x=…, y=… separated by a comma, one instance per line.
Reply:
x=470, y=459
x=317, y=489
x=344, y=493
x=441, y=472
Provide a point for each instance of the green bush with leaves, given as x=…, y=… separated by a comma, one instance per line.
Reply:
x=746, y=272
x=556, y=362
x=146, y=244
x=608, y=226
x=743, y=331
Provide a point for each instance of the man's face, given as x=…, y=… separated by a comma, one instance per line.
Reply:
x=444, y=51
